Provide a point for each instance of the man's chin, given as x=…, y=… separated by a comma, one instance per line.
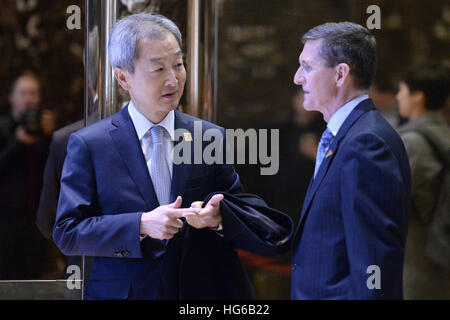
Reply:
x=172, y=107
x=308, y=107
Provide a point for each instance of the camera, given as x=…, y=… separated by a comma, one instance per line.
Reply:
x=31, y=121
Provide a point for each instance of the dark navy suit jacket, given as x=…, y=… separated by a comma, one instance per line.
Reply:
x=106, y=186
x=355, y=215
x=45, y=216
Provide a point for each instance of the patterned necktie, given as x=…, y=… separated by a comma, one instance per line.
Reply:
x=159, y=170
x=324, y=144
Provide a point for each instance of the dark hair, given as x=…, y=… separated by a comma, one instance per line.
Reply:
x=350, y=43
x=385, y=86
x=430, y=78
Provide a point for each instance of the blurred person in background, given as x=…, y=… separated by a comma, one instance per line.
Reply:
x=24, y=141
x=422, y=95
x=299, y=137
x=46, y=213
x=382, y=94
x=309, y=125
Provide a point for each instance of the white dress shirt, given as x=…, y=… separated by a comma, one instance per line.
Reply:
x=339, y=116
x=143, y=125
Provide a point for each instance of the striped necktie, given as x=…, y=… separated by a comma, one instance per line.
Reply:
x=324, y=144
x=159, y=170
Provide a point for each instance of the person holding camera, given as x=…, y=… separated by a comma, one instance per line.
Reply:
x=24, y=142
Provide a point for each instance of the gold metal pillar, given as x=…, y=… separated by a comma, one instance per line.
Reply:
x=202, y=47
x=100, y=95
x=100, y=84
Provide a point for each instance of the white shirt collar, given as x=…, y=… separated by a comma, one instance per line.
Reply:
x=339, y=117
x=142, y=124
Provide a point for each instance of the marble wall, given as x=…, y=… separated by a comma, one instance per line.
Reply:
x=34, y=36
x=259, y=45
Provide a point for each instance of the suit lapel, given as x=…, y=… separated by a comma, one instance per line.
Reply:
x=180, y=175
x=125, y=138
x=129, y=148
x=359, y=110
x=315, y=182
x=181, y=172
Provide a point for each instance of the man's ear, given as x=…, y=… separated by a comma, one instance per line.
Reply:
x=122, y=77
x=342, y=73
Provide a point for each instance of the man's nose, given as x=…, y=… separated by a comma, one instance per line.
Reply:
x=172, y=79
x=298, y=78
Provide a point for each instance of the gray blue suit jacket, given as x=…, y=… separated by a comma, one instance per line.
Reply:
x=105, y=188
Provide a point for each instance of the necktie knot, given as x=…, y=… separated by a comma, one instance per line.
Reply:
x=157, y=134
x=326, y=138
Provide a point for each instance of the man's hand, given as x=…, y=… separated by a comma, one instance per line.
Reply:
x=23, y=137
x=163, y=222
x=209, y=216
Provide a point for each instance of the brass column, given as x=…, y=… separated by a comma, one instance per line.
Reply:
x=100, y=84
x=202, y=46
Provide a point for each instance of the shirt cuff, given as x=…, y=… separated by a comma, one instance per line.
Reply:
x=218, y=230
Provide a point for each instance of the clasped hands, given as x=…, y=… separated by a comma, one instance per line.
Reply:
x=164, y=222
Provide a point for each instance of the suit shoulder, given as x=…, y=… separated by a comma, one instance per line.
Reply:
x=96, y=129
x=62, y=135
x=191, y=119
x=372, y=124
x=371, y=130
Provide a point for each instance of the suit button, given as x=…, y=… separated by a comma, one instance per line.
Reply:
x=294, y=266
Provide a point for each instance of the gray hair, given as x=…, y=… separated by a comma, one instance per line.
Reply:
x=350, y=43
x=123, y=46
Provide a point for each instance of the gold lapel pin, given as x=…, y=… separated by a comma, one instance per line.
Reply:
x=187, y=136
x=329, y=153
